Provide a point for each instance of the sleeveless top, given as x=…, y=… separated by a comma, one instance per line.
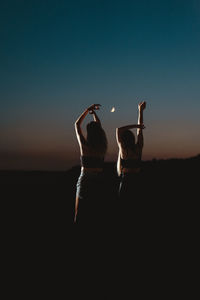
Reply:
x=132, y=162
x=92, y=161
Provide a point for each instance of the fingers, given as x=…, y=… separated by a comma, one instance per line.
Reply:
x=142, y=105
x=97, y=106
x=94, y=107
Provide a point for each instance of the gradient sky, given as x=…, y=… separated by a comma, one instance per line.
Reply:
x=58, y=57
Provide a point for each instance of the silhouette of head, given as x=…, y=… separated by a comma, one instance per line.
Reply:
x=128, y=139
x=96, y=137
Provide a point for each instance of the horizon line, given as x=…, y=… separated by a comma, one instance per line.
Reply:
x=106, y=162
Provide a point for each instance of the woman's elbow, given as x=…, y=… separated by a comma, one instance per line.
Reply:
x=76, y=126
x=77, y=123
x=118, y=130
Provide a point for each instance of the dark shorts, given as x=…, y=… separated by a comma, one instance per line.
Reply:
x=130, y=201
x=129, y=187
x=88, y=184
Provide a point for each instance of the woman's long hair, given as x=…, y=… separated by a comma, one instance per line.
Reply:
x=128, y=142
x=96, y=137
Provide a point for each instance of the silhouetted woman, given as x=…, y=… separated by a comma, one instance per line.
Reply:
x=92, y=149
x=129, y=157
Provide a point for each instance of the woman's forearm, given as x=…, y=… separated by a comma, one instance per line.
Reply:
x=81, y=118
x=83, y=115
x=140, y=120
x=140, y=117
x=95, y=117
x=127, y=127
x=141, y=107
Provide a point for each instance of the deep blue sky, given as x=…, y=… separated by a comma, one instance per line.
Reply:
x=58, y=57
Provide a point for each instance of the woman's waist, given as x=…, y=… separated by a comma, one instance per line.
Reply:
x=131, y=170
x=91, y=170
x=131, y=161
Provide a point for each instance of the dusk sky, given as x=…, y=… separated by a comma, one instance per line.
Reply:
x=59, y=57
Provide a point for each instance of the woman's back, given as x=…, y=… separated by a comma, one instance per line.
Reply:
x=89, y=151
x=90, y=182
x=133, y=154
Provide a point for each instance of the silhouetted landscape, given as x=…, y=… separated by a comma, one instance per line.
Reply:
x=168, y=189
x=162, y=220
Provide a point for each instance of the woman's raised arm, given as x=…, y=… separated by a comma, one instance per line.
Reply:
x=120, y=130
x=79, y=121
x=141, y=107
x=95, y=117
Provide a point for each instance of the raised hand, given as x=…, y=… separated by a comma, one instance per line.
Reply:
x=142, y=105
x=93, y=107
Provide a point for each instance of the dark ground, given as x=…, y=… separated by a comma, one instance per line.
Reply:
x=163, y=225
x=167, y=187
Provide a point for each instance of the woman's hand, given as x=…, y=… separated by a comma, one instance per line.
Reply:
x=142, y=105
x=93, y=107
